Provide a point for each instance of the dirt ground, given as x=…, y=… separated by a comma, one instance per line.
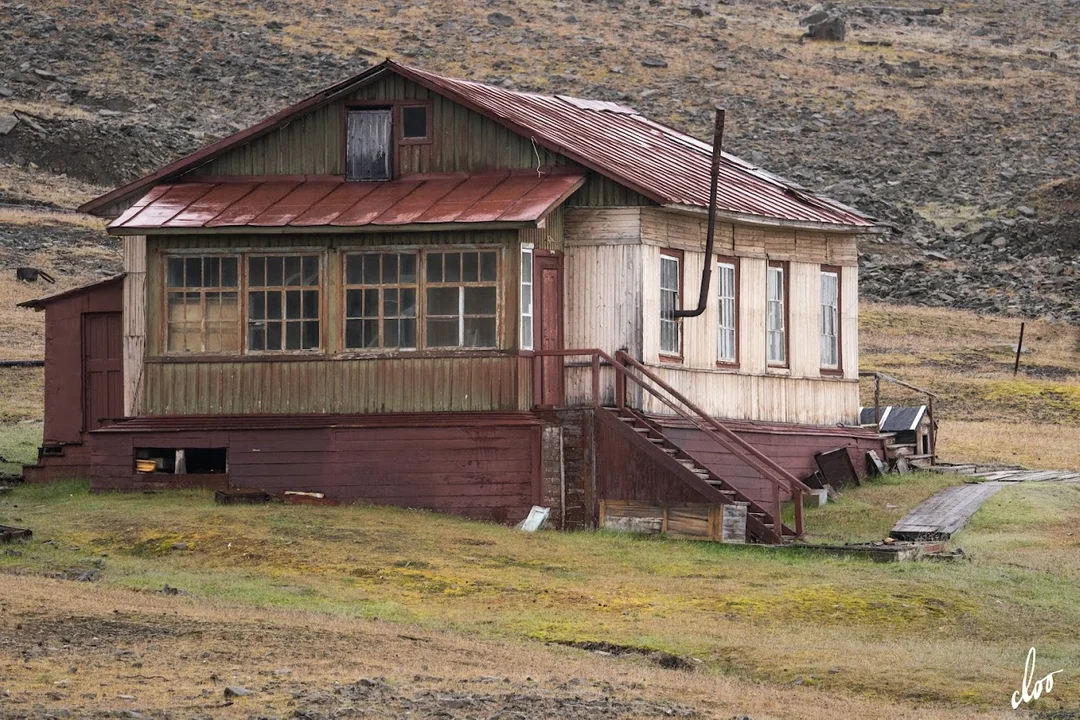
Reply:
x=108, y=653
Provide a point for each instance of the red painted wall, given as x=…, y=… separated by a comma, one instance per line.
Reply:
x=64, y=358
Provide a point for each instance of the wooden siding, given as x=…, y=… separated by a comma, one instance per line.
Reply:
x=377, y=385
x=311, y=144
x=600, y=191
x=451, y=463
x=549, y=237
x=134, y=324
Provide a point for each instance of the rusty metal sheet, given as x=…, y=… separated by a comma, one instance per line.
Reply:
x=495, y=203
x=154, y=194
x=462, y=198
x=295, y=203
x=169, y=204
x=428, y=195
x=333, y=205
x=210, y=205
x=251, y=205
x=542, y=198
x=376, y=203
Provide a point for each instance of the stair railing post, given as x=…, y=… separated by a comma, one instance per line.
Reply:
x=620, y=382
x=933, y=432
x=596, y=380
x=797, y=494
x=778, y=525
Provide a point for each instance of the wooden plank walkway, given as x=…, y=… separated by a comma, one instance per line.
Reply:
x=1000, y=474
x=946, y=512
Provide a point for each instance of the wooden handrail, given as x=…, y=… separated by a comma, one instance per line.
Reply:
x=777, y=476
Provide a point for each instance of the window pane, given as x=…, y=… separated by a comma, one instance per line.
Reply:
x=390, y=333
x=442, y=301
x=273, y=305
x=293, y=275
x=353, y=303
x=230, y=307
x=292, y=305
x=228, y=272
x=408, y=302
x=527, y=333
x=256, y=305
x=273, y=336
x=257, y=271
x=414, y=121
x=434, y=267
x=480, y=301
x=212, y=271
x=256, y=337
x=442, y=333
x=354, y=269
x=452, y=267
x=470, y=267
x=390, y=302
x=480, y=332
x=408, y=333
x=371, y=303
x=193, y=272
x=389, y=269
x=371, y=269
x=176, y=272
x=273, y=271
x=408, y=268
x=311, y=334
x=311, y=304
x=371, y=333
x=489, y=266
x=311, y=270
x=353, y=336
x=292, y=336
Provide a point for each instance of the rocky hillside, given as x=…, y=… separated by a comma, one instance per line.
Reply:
x=956, y=122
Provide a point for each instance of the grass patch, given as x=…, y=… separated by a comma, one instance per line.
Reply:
x=757, y=613
x=18, y=445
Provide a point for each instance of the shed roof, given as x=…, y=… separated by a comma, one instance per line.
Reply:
x=661, y=163
x=331, y=202
x=41, y=303
x=894, y=418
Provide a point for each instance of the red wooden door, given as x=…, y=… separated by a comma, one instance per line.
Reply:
x=548, y=283
x=103, y=389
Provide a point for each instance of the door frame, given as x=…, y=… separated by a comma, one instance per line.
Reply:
x=548, y=366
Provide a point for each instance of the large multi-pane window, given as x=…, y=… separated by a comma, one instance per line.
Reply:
x=461, y=298
x=776, y=328
x=201, y=304
x=380, y=300
x=727, y=324
x=526, y=298
x=283, y=303
x=669, y=303
x=830, y=320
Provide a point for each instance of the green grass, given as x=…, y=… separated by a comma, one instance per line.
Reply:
x=759, y=613
x=18, y=445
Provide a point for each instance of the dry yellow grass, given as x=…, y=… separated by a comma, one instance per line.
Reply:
x=32, y=216
x=1051, y=447
x=28, y=184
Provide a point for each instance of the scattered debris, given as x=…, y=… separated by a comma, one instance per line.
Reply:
x=666, y=660
x=836, y=468
x=8, y=123
x=887, y=550
x=874, y=464
x=536, y=519
x=242, y=496
x=237, y=691
x=298, y=497
x=11, y=534
x=29, y=274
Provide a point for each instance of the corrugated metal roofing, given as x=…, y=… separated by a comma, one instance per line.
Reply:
x=297, y=203
x=894, y=418
x=614, y=140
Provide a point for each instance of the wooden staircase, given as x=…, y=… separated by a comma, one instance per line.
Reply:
x=761, y=526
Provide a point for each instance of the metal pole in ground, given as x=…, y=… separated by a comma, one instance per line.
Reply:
x=1019, y=347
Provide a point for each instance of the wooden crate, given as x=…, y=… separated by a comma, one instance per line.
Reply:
x=687, y=521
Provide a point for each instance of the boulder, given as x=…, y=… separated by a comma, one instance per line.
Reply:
x=831, y=28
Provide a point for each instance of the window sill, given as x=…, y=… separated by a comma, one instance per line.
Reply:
x=778, y=370
x=671, y=359
x=334, y=357
x=731, y=366
x=832, y=372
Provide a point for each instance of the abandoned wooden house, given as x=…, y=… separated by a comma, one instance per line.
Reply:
x=416, y=290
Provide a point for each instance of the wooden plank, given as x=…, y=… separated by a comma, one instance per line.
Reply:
x=946, y=512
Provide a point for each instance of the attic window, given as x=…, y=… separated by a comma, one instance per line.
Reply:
x=368, y=148
x=414, y=122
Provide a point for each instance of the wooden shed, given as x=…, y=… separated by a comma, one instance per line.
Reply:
x=432, y=292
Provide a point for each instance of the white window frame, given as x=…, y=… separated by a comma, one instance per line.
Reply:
x=727, y=308
x=830, y=320
x=675, y=351
x=776, y=316
x=527, y=310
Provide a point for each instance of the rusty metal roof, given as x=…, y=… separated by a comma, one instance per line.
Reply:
x=499, y=196
x=41, y=303
x=663, y=164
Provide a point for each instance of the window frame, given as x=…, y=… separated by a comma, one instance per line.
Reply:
x=785, y=269
x=729, y=261
x=394, y=142
x=527, y=249
x=166, y=289
x=461, y=285
x=399, y=119
x=667, y=355
x=346, y=286
x=838, y=369
x=320, y=286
